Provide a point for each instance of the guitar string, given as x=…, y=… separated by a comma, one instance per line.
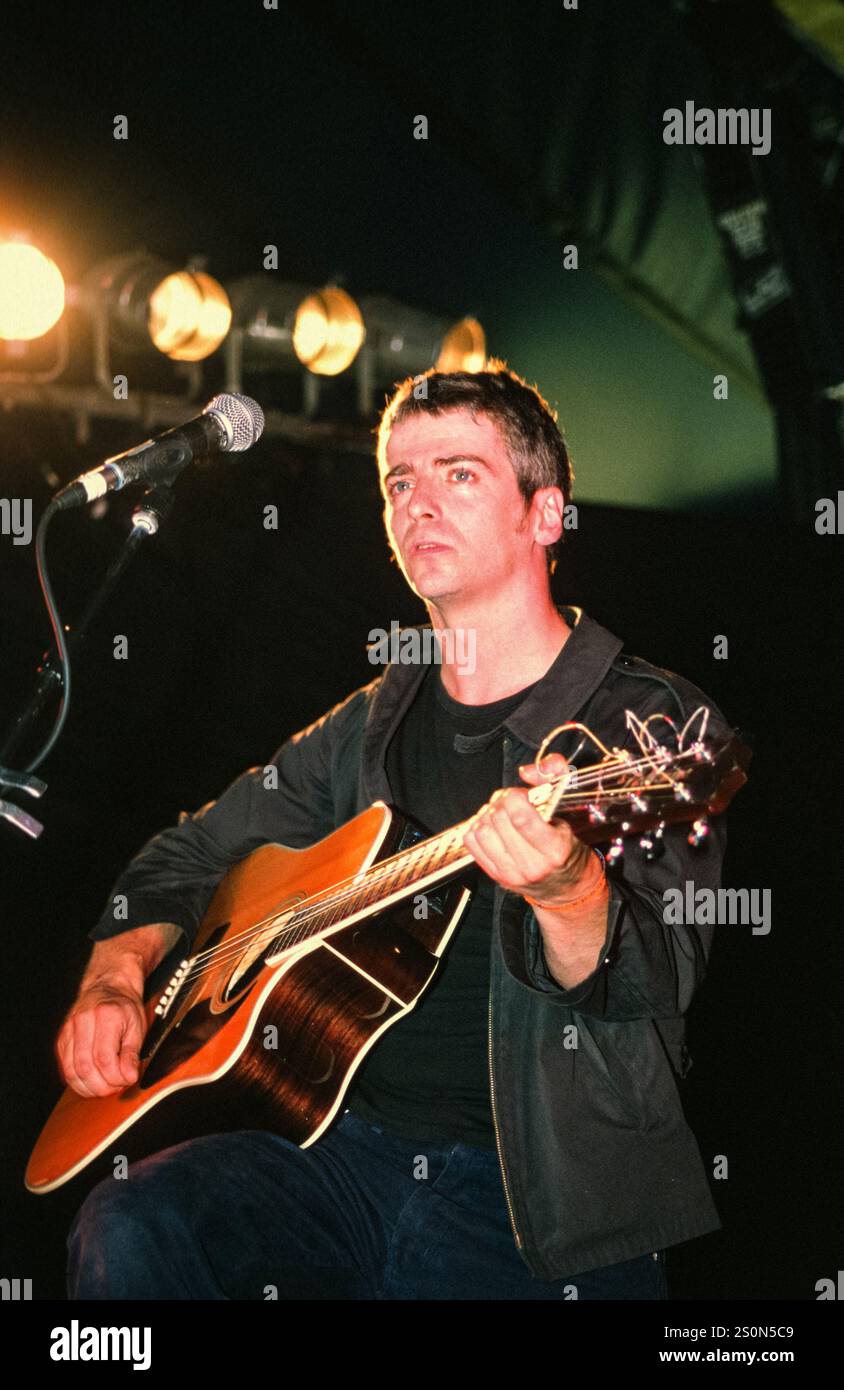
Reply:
x=316, y=906
x=384, y=868
x=373, y=878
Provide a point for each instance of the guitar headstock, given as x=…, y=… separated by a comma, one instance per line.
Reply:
x=671, y=775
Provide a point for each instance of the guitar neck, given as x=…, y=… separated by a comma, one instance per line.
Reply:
x=422, y=866
x=619, y=795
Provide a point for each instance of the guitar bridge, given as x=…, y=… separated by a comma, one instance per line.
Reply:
x=162, y=1008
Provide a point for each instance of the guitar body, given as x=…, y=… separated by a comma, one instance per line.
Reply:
x=263, y=1034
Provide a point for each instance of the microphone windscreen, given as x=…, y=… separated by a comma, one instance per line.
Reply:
x=243, y=417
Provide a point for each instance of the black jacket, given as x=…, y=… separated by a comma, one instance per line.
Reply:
x=598, y=1161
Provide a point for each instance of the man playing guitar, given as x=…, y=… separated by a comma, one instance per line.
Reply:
x=519, y=1134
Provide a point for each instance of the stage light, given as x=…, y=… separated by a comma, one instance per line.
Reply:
x=282, y=323
x=401, y=342
x=463, y=348
x=189, y=315
x=185, y=314
x=31, y=292
x=328, y=331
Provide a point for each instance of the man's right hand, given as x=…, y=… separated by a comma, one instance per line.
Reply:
x=99, y=1043
x=100, y=1040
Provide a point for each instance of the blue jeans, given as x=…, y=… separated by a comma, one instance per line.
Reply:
x=249, y=1215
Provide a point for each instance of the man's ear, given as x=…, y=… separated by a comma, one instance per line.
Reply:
x=549, y=505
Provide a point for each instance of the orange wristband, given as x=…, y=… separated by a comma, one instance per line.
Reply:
x=600, y=884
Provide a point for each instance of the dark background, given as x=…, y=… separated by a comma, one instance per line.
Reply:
x=238, y=636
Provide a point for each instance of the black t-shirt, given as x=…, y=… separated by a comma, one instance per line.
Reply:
x=427, y=1077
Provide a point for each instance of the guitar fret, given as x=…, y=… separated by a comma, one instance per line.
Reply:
x=414, y=864
x=406, y=871
x=427, y=852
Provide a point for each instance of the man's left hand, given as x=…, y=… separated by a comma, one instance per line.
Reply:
x=519, y=850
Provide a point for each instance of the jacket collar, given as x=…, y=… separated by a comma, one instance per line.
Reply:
x=578, y=670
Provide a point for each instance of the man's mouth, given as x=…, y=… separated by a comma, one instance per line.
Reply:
x=423, y=547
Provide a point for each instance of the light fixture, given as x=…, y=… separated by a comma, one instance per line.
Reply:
x=184, y=313
x=285, y=324
x=189, y=315
x=32, y=294
x=328, y=331
x=402, y=341
x=463, y=348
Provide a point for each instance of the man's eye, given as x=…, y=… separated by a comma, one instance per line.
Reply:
x=461, y=469
x=395, y=485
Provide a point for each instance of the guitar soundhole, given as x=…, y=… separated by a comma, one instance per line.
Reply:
x=239, y=985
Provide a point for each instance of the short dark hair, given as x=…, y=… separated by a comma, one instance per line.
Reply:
x=534, y=441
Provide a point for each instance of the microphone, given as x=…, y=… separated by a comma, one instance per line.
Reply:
x=228, y=424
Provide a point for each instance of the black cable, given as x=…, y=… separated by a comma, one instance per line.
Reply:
x=58, y=634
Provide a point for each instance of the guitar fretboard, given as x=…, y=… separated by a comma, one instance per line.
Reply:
x=618, y=778
x=421, y=866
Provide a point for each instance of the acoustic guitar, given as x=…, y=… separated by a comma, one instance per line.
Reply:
x=306, y=956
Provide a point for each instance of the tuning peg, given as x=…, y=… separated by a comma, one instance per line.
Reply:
x=652, y=844
x=616, y=850
x=698, y=833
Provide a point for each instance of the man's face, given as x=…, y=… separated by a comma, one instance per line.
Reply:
x=454, y=514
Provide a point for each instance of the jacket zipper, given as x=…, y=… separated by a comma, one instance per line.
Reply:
x=516, y=1236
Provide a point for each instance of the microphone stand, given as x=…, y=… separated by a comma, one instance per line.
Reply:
x=154, y=507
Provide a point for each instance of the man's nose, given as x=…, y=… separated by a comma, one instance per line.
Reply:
x=422, y=500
